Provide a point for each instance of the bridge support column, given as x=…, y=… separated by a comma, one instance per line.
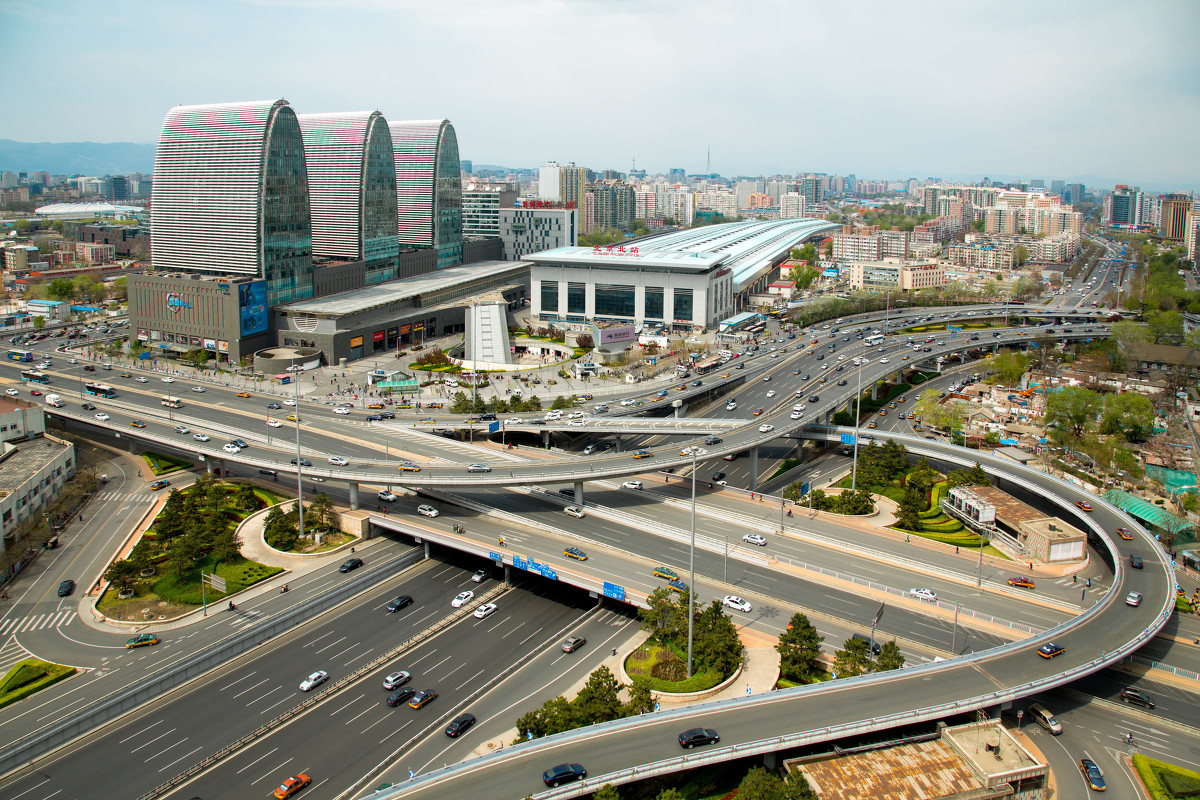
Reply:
x=899, y=375
x=134, y=448
x=995, y=348
x=428, y=548
x=546, y=439
x=828, y=416
x=875, y=390
x=771, y=761
x=210, y=465
x=579, y=493
x=754, y=468
x=353, y=496
x=221, y=469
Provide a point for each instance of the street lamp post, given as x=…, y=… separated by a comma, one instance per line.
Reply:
x=692, y=565
x=299, y=466
x=857, y=413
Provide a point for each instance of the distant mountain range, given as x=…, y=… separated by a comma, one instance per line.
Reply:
x=94, y=159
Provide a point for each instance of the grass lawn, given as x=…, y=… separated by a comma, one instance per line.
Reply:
x=170, y=595
x=330, y=540
x=652, y=654
x=161, y=464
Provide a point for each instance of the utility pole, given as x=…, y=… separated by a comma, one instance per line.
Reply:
x=692, y=565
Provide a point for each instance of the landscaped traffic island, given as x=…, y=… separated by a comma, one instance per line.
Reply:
x=195, y=532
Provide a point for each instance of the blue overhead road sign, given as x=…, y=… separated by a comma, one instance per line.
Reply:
x=614, y=591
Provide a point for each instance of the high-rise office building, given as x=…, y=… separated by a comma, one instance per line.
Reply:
x=1174, y=216
x=677, y=175
x=813, y=189
x=1074, y=193
x=1123, y=206
x=231, y=195
x=791, y=206
x=428, y=187
x=466, y=166
x=614, y=205
x=1058, y=187
x=115, y=188
x=352, y=189
x=482, y=204
x=572, y=183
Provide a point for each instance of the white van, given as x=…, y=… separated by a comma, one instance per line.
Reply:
x=1042, y=716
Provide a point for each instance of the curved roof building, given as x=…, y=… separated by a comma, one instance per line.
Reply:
x=428, y=189
x=352, y=189
x=230, y=195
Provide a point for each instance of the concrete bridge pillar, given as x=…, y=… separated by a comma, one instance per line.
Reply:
x=546, y=439
x=353, y=496
x=875, y=390
x=899, y=375
x=210, y=465
x=754, y=468
x=134, y=447
x=579, y=493
x=428, y=548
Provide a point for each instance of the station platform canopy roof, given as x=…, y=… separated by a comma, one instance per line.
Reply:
x=1148, y=512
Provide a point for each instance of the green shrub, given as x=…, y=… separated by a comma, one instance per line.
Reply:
x=24, y=672
x=1165, y=780
x=47, y=673
x=697, y=683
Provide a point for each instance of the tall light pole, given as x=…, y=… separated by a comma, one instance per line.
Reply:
x=299, y=466
x=691, y=592
x=857, y=413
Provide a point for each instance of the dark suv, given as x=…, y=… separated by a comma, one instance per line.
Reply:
x=1136, y=697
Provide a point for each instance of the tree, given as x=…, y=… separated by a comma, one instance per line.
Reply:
x=641, y=697
x=607, y=792
x=1010, y=366
x=799, y=648
x=245, y=498
x=908, y=514
x=853, y=659
x=660, y=617
x=321, y=509
x=889, y=657
x=1129, y=413
x=670, y=794
x=1020, y=255
x=39, y=322
x=1073, y=407
x=759, y=784
x=717, y=644
x=554, y=716
x=598, y=700
x=61, y=289
x=121, y=571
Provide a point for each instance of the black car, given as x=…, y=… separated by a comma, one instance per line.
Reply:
x=459, y=725
x=88, y=407
x=1137, y=698
x=374, y=417
x=274, y=406
x=89, y=368
x=804, y=377
x=387, y=415
x=1135, y=561
x=694, y=737
x=353, y=563
x=814, y=399
x=713, y=440
x=400, y=696
x=564, y=773
x=718, y=477
x=397, y=604
x=304, y=462
x=65, y=588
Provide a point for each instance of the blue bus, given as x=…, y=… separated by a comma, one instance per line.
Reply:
x=20, y=355
x=100, y=390
x=34, y=376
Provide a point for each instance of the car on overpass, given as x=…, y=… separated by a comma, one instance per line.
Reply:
x=1050, y=650
x=141, y=640
x=573, y=643
x=695, y=737
x=314, y=680
x=1021, y=581
x=459, y=725
x=461, y=599
x=642, y=454
x=575, y=553
x=408, y=466
x=292, y=785
x=563, y=773
x=425, y=696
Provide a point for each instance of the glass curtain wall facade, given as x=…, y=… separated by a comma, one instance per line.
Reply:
x=352, y=186
x=231, y=195
x=428, y=187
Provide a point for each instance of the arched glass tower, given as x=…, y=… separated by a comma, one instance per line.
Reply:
x=352, y=188
x=231, y=195
x=428, y=187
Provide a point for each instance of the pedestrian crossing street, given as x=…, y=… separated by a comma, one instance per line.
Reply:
x=1081, y=583
x=37, y=622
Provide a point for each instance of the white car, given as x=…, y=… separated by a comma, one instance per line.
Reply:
x=231, y=448
x=485, y=610
x=575, y=415
x=576, y=423
x=462, y=599
x=632, y=485
x=181, y=429
x=167, y=379
x=755, y=538
x=736, y=603
x=883, y=361
x=765, y=428
x=796, y=414
x=730, y=406
x=11, y=392
x=770, y=394
x=574, y=511
x=142, y=379
x=101, y=416
x=479, y=575
x=200, y=437
x=341, y=410
x=513, y=421
x=386, y=496
x=427, y=511
x=314, y=680
x=627, y=402
x=274, y=423
x=766, y=378
x=338, y=461
x=198, y=389
x=72, y=361
x=289, y=402
x=923, y=594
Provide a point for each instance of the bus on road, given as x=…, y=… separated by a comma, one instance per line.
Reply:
x=33, y=376
x=706, y=367
x=172, y=402
x=873, y=340
x=100, y=390
x=20, y=355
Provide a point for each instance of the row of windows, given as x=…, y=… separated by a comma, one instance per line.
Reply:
x=616, y=300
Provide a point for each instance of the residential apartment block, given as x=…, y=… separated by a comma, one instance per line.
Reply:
x=896, y=275
x=532, y=230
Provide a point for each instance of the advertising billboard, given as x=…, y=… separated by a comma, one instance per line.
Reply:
x=210, y=345
x=356, y=341
x=252, y=307
x=614, y=334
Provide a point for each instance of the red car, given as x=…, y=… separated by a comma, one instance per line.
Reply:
x=292, y=785
x=1082, y=506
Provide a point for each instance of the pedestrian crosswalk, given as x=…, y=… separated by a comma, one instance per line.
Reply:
x=1082, y=583
x=37, y=622
x=138, y=496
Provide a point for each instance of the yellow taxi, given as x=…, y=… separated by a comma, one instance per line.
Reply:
x=293, y=418
x=243, y=394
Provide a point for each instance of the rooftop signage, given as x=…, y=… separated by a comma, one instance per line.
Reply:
x=614, y=250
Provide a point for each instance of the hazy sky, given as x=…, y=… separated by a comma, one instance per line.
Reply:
x=1031, y=88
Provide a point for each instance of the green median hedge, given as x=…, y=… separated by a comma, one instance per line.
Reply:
x=697, y=683
x=961, y=539
x=1165, y=780
x=29, y=676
